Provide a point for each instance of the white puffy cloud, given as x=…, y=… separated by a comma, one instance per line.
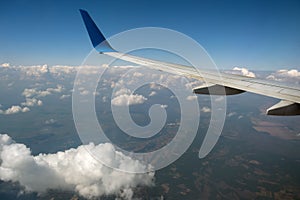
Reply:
x=243, y=71
x=138, y=74
x=84, y=92
x=64, y=96
x=50, y=121
x=59, y=70
x=191, y=97
x=73, y=169
x=35, y=70
x=164, y=106
x=128, y=99
x=152, y=93
x=5, y=64
x=290, y=73
x=205, y=109
x=14, y=110
x=32, y=102
x=292, y=76
x=231, y=114
x=30, y=92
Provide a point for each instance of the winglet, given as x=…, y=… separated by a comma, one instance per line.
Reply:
x=98, y=40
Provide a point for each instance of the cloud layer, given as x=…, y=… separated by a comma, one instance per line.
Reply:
x=73, y=169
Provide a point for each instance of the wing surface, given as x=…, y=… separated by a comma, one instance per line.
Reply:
x=218, y=83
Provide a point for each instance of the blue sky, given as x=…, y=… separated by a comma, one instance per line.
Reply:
x=253, y=34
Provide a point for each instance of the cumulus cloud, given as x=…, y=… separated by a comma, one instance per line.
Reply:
x=59, y=70
x=32, y=102
x=30, y=92
x=285, y=75
x=164, y=106
x=73, y=169
x=14, y=110
x=35, y=70
x=243, y=71
x=50, y=121
x=191, y=97
x=152, y=93
x=231, y=114
x=205, y=109
x=64, y=96
x=5, y=65
x=128, y=99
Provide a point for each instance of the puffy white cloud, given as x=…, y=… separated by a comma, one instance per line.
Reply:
x=64, y=96
x=122, y=91
x=205, y=109
x=128, y=99
x=191, y=97
x=84, y=92
x=290, y=73
x=30, y=92
x=59, y=70
x=292, y=76
x=31, y=99
x=5, y=65
x=231, y=114
x=35, y=70
x=243, y=71
x=138, y=74
x=152, y=93
x=50, y=121
x=32, y=102
x=14, y=110
x=73, y=169
x=164, y=106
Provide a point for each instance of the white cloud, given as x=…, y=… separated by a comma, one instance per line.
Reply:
x=231, y=114
x=122, y=91
x=14, y=110
x=84, y=92
x=36, y=70
x=50, y=121
x=125, y=99
x=205, y=109
x=30, y=92
x=59, y=70
x=31, y=99
x=32, y=102
x=218, y=99
x=152, y=93
x=292, y=76
x=164, y=106
x=137, y=74
x=5, y=65
x=191, y=97
x=243, y=71
x=155, y=86
x=73, y=169
x=64, y=96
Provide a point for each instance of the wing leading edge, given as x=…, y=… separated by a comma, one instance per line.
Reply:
x=229, y=84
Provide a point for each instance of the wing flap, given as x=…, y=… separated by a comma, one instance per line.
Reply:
x=284, y=108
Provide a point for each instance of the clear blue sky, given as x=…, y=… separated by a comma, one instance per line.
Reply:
x=255, y=34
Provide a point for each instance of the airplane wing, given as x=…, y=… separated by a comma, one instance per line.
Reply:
x=229, y=84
